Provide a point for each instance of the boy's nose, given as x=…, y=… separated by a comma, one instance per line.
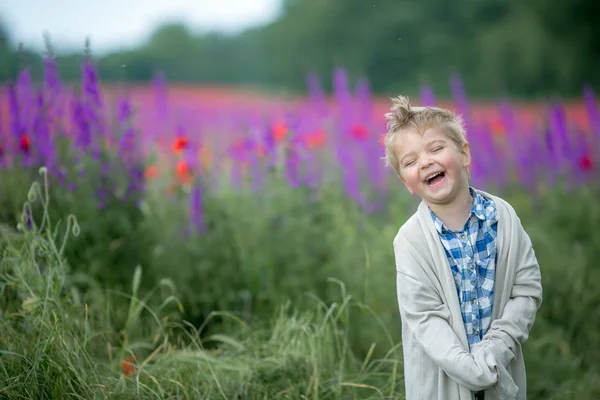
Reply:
x=425, y=162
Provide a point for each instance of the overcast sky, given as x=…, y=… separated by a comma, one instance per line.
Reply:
x=114, y=24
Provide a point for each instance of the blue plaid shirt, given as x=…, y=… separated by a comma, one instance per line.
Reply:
x=471, y=254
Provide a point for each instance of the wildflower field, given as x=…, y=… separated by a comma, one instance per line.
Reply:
x=180, y=242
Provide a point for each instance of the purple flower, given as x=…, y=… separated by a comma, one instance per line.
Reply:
x=427, y=96
x=460, y=97
x=365, y=102
x=43, y=144
x=90, y=84
x=83, y=133
x=196, y=209
x=344, y=100
x=52, y=89
x=315, y=94
x=160, y=93
x=16, y=125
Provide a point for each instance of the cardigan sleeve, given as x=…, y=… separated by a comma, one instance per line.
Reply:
x=427, y=318
x=511, y=329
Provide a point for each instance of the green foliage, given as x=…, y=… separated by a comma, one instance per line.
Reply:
x=563, y=232
x=58, y=342
x=273, y=263
x=112, y=241
x=42, y=356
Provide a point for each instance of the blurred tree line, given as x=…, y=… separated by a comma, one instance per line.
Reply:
x=523, y=48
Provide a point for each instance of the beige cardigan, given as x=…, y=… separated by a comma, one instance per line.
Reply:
x=437, y=361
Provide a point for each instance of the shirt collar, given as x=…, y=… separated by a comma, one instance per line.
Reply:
x=482, y=209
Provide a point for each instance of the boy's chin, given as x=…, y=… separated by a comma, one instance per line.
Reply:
x=445, y=194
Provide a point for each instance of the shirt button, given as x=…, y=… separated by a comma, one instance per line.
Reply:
x=477, y=332
x=471, y=267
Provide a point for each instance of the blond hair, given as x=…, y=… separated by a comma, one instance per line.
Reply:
x=404, y=116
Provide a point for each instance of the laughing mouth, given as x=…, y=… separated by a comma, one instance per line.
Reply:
x=435, y=179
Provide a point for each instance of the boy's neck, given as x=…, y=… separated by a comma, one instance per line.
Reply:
x=455, y=214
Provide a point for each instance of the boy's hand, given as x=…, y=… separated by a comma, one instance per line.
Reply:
x=501, y=353
x=505, y=387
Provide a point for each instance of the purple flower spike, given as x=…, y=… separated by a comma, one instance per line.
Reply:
x=159, y=84
x=427, y=96
x=196, y=209
x=16, y=126
x=365, y=102
x=90, y=84
x=316, y=94
x=52, y=89
x=43, y=144
x=460, y=97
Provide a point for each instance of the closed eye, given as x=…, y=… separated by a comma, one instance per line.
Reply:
x=406, y=164
x=436, y=149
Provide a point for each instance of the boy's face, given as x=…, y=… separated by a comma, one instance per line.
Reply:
x=432, y=165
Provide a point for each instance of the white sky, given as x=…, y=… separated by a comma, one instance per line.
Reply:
x=115, y=24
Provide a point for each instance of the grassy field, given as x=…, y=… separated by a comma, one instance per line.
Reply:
x=173, y=258
x=304, y=307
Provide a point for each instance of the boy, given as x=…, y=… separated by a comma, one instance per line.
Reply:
x=468, y=281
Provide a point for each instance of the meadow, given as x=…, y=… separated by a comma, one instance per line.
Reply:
x=181, y=242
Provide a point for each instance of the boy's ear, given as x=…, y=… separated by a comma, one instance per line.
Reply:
x=407, y=187
x=466, y=155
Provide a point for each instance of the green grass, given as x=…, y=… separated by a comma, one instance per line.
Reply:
x=59, y=342
x=290, y=294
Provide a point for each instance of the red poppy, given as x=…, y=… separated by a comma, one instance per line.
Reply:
x=585, y=163
x=497, y=127
x=280, y=130
x=127, y=366
x=183, y=171
x=24, y=144
x=180, y=144
x=151, y=171
x=359, y=131
x=315, y=139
